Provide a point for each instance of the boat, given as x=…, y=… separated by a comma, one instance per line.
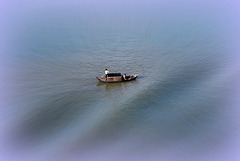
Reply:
x=116, y=77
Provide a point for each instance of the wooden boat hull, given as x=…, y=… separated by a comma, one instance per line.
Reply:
x=117, y=79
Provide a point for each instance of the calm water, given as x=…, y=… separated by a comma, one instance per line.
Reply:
x=181, y=103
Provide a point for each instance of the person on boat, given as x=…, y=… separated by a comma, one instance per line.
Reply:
x=125, y=76
x=106, y=72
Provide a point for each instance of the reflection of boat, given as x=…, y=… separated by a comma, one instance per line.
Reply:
x=116, y=77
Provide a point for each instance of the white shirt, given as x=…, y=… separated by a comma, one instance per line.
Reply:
x=106, y=71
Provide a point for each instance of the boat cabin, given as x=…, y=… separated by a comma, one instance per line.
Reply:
x=114, y=77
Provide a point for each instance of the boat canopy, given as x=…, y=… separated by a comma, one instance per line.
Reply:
x=114, y=74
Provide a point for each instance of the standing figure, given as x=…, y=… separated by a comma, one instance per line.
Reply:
x=106, y=72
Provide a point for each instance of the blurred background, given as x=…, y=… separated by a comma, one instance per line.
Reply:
x=183, y=106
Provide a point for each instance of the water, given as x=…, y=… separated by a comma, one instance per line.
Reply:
x=180, y=104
